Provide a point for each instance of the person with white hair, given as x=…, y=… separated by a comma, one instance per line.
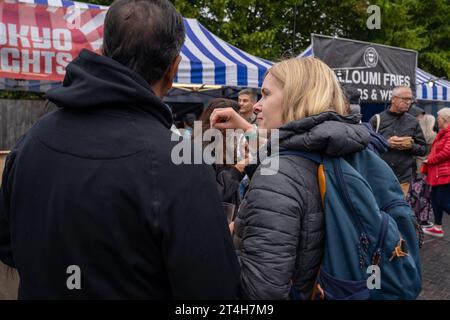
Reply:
x=403, y=133
x=437, y=168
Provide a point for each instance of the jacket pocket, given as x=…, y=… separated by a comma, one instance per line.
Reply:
x=443, y=170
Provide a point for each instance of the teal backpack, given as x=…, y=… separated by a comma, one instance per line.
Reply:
x=372, y=238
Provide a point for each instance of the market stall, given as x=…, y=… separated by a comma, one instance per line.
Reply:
x=39, y=38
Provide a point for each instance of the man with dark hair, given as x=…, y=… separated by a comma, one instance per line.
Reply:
x=378, y=143
x=189, y=120
x=352, y=99
x=92, y=205
x=247, y=99
x=188, y=125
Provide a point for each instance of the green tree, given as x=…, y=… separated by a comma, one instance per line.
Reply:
x=275, y=29
x=267, y=28
x=272, y=29
x=263, y=28
x=435, y=16
x=417, y=25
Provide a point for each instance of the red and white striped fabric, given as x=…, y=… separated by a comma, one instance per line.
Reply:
x=38, y=38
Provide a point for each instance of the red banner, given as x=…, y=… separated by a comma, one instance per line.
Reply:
x=37, y=42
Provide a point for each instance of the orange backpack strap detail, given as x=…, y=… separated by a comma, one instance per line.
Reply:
x=322, y=182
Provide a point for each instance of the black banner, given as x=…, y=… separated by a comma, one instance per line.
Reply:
x=375, y=70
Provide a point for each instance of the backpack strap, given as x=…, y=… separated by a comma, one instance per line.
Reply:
x=378, y=117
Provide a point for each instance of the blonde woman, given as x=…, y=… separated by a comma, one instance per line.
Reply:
x=279, y=231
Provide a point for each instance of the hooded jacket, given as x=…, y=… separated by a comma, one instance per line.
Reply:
x=437, y=167
x=279, y=231
x=93, y=207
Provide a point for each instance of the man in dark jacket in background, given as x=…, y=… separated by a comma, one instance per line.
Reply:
x=404, y=135
x=378, y=143
x=91, y=205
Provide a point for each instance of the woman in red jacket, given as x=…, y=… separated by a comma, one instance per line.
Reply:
x=437, y=168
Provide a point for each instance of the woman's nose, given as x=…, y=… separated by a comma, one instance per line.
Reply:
x=257, y=107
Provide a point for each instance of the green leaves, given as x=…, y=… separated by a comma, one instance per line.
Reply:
x=266, y=28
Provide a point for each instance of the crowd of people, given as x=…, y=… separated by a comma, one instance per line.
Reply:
x=93, y=183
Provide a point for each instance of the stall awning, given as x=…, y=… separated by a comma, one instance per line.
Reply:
x=430, y=88
x=42, y=36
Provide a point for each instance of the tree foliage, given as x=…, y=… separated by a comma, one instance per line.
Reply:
x=274, y=29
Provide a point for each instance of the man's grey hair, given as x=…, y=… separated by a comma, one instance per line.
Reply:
x=397, y=90
x=251, y=93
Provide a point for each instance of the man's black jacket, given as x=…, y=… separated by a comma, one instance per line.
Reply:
x=401, y=125
x=93, y=185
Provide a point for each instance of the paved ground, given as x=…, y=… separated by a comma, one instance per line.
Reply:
x=436, y=266
x=435, y=259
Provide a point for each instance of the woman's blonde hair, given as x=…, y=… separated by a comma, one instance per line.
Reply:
x=427, y=123
x=309, y=86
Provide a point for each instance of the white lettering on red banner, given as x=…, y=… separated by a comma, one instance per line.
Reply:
x=38, y=44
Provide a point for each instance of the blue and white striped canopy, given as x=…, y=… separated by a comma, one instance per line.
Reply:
x=440, y=91
x=206, y=59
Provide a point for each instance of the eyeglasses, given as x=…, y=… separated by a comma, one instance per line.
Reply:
x=407, y=99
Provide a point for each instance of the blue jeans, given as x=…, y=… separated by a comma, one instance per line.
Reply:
x=440, y=200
